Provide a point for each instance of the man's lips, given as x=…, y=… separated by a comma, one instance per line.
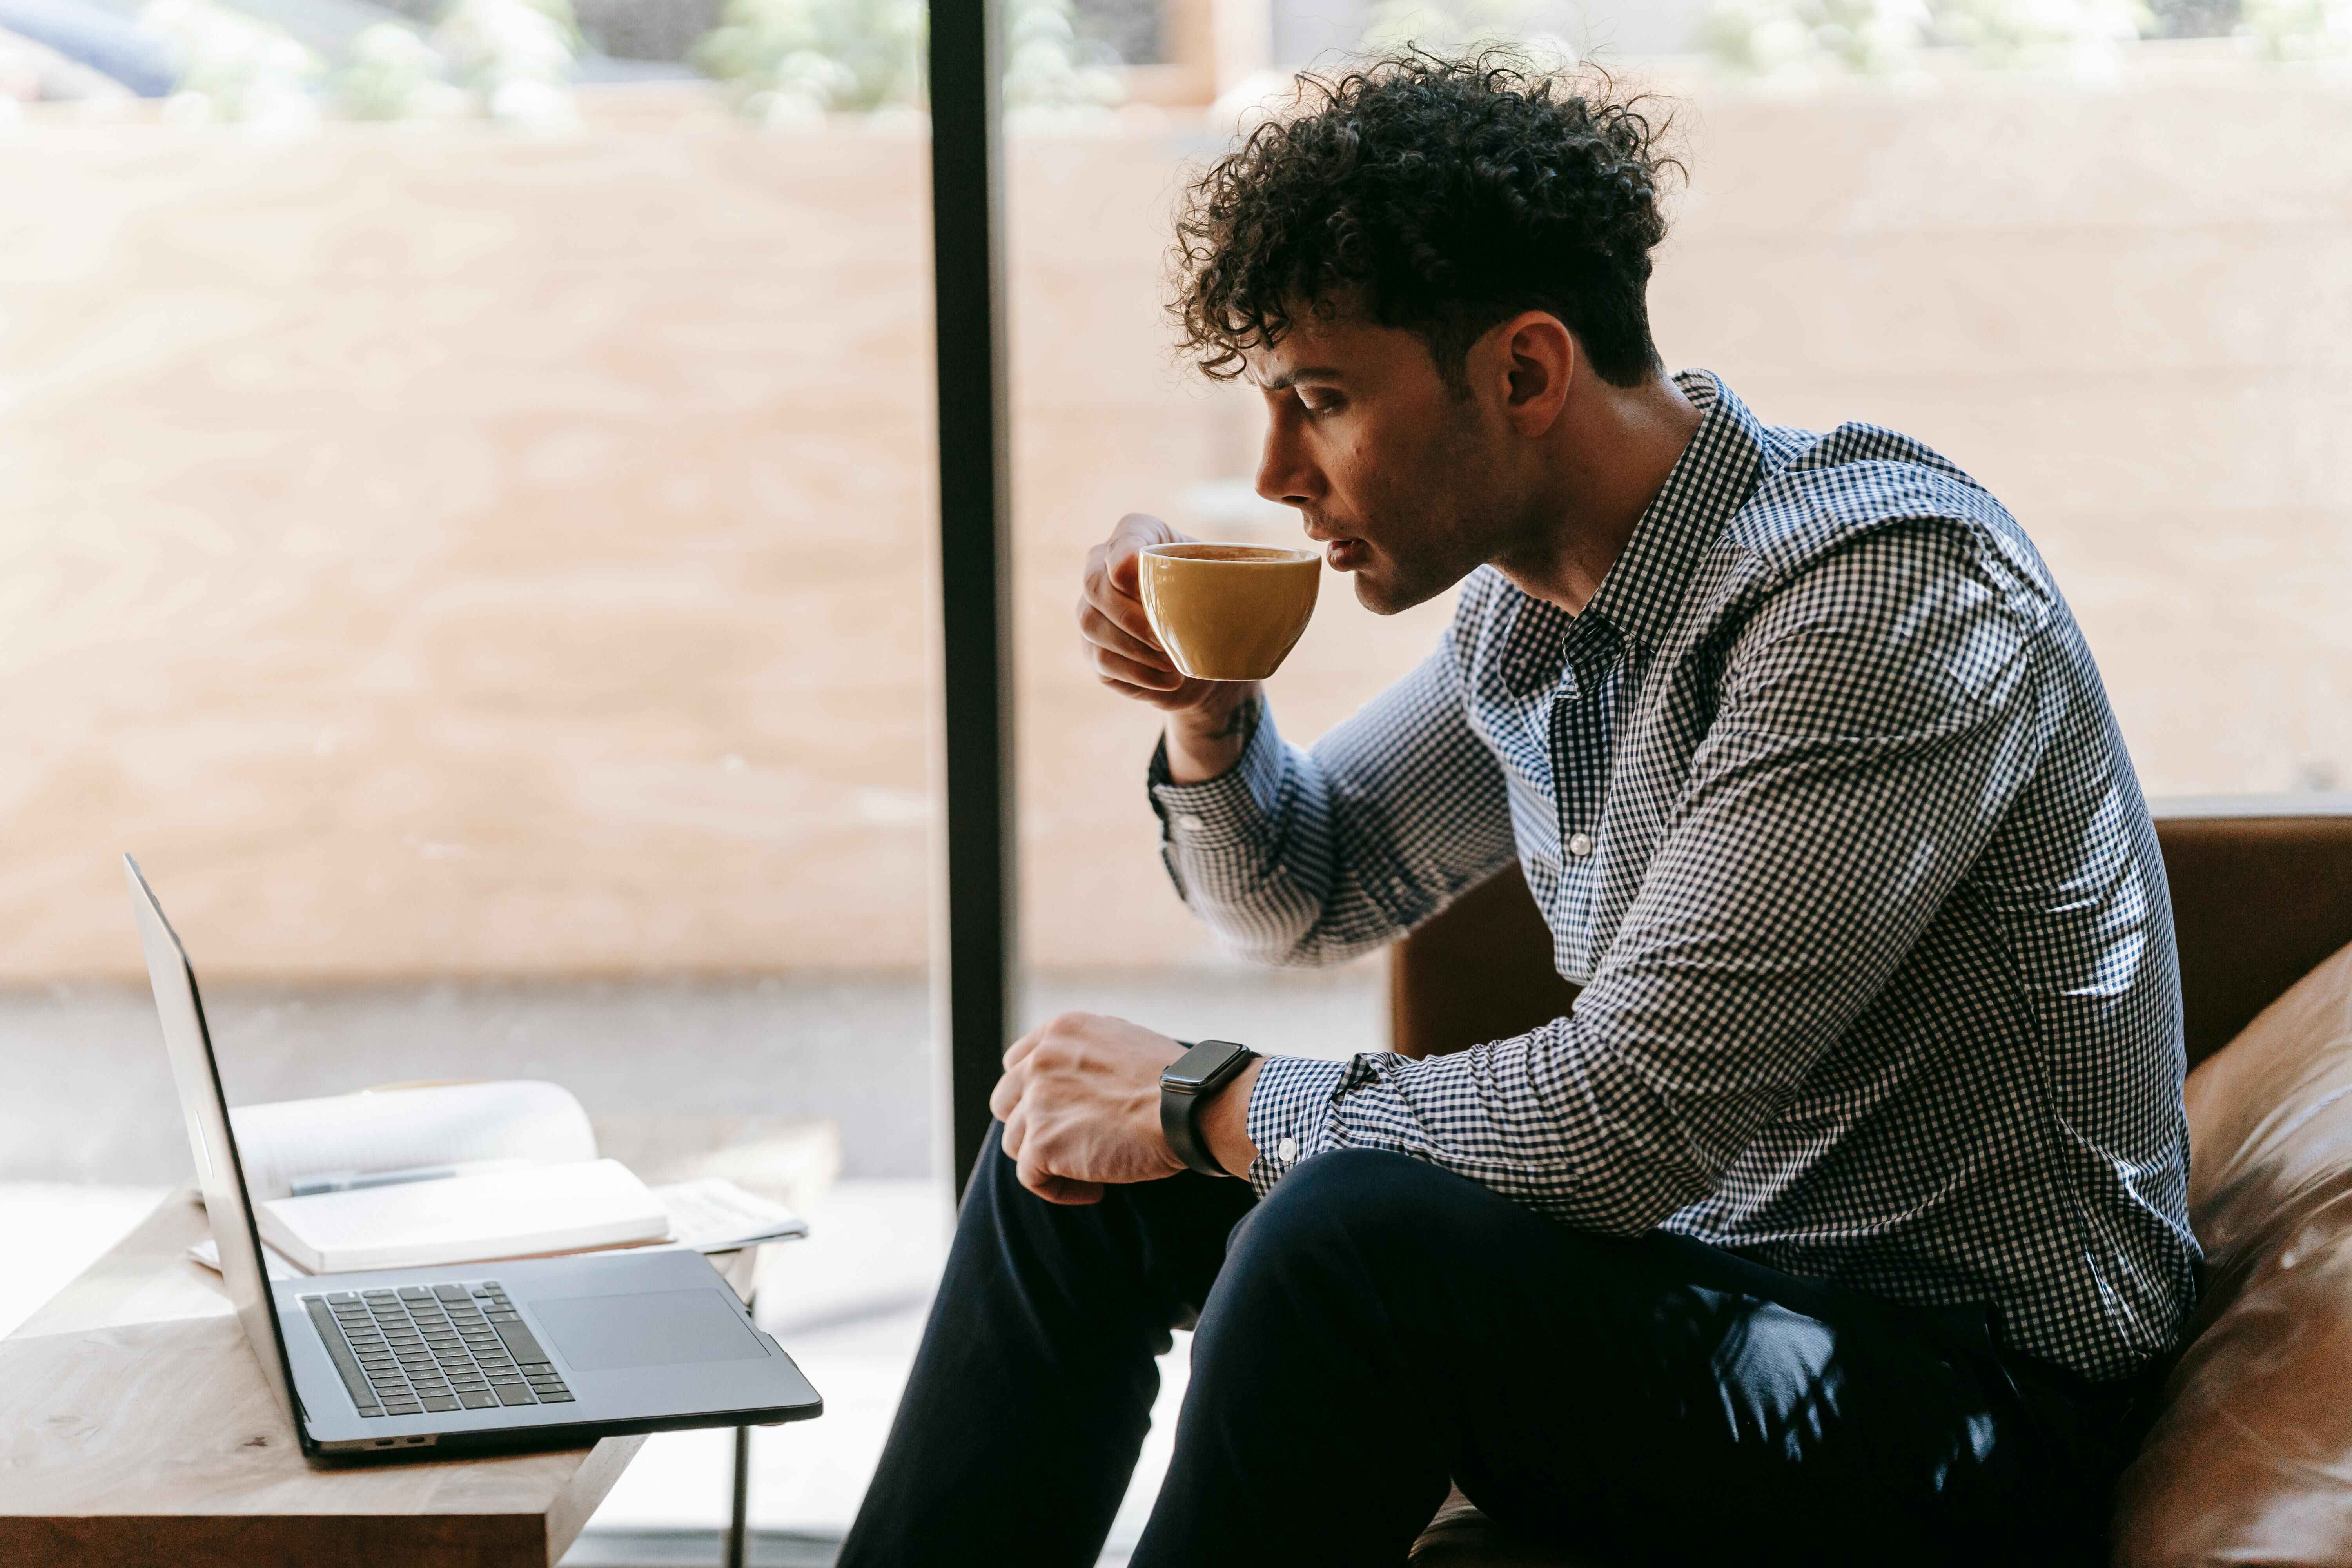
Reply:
x=1347, y=555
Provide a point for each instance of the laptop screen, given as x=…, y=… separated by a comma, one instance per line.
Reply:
x=219, y=1172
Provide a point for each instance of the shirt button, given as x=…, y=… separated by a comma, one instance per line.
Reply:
x=1188, y=823
x=1287, y=1150
x=1580, y=845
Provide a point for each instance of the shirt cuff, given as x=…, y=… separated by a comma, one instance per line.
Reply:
x=1228, y=810
x=1290, y=1114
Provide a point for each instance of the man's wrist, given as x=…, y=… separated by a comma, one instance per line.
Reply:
x=1207, y=740
x=1223, y=1123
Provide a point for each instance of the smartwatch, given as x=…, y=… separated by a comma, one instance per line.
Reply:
x=1186, y=1086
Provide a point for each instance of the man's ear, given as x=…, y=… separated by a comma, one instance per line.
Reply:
x=1539, y=357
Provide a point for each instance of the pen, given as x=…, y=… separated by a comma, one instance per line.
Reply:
x=352, y=1181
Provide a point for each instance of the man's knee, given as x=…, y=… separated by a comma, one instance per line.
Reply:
x=1358, y=1206
x=994, y=1201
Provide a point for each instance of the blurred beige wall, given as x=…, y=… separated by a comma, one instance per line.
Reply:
x=449, y=553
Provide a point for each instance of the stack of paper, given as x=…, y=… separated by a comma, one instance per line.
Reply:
x=458, y=1219
x=463, y=1174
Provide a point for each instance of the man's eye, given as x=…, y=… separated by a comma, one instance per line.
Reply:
x=1319, y=402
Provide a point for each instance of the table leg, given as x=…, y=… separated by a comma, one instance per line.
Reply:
x=738, y=1516
x=739, y=1513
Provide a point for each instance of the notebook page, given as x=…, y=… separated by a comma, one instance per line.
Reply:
x=403, y=1128
x=505, y=1214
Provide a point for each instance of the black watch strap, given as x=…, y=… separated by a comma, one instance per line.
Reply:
x=1186, y=1086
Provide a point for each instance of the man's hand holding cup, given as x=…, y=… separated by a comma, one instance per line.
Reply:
x=1231, y=613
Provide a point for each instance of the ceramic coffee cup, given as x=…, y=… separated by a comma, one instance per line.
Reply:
x=1228, y=612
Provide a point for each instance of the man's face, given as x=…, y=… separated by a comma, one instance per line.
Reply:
x=1399, y=476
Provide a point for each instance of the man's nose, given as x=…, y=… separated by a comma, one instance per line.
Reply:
x=1284, y=472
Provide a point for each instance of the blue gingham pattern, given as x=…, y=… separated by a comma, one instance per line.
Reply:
x=1823, y=803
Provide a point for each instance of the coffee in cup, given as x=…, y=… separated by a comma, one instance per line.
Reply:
x=1228, y=612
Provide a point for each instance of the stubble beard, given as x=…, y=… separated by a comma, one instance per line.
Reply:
x=1457, y=546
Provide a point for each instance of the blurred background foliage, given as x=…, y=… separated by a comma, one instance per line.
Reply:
x=283, y=64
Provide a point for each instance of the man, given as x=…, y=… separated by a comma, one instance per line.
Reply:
x=1844, y=1217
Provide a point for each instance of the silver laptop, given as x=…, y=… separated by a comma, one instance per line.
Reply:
x=537, y=1352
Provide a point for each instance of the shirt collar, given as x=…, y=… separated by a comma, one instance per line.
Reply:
x=1639, y=598
x=1713, y=477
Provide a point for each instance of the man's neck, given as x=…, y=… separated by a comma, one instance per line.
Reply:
x=1616, y=447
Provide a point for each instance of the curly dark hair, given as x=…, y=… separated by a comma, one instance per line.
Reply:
x=1437, y=195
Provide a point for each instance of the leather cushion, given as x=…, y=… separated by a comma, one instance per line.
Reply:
x=2250, y=1460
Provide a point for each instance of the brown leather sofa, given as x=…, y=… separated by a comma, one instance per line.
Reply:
x=2251, y=1461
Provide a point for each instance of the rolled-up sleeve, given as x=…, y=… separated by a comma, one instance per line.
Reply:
x=1876, y=720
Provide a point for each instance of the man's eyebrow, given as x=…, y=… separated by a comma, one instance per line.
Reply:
x=1304, y=372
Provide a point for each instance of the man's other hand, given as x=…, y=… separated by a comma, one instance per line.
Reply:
x=1080, y=1104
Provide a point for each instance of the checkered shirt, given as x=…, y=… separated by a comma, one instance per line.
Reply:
x=1822, y=801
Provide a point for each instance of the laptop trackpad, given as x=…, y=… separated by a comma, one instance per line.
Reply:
x=650, y=1328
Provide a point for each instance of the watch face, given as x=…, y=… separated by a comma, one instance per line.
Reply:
x=1201, y=1066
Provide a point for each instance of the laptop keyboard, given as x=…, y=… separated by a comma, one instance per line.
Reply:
x=446, y=1347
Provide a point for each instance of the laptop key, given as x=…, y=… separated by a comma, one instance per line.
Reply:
x=519, y=1343
x=347, y=1365
x=478, y=1399
x=515, y=1394
x=440, y=1402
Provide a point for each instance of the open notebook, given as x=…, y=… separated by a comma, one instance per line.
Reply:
x=465, y=1172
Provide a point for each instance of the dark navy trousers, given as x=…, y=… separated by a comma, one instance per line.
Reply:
x=1379, y=1327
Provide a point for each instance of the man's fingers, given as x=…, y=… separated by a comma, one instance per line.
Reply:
x=1166, y=701
x=1021, y=1047
x=1017, y=1133
x=1004, y=1096
x=1032, y=1169
x=1036, y=1175
x=1100, y=631
x=1063, y=1190
x=1129, y=672
x=1121, y=605
x=1134, y=532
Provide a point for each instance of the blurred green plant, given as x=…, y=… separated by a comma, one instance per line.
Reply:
x=1047, y=68
x=1464, y=26
x=1785, y=38
x=392, y=74
x=515, y=55
x=2083, y=35
x=2298, y=30
x=1800, y=41
x=791, y=62
x=508, y=60
x=233, y=68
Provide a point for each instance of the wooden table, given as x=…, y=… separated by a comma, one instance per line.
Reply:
x=136, y=1431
